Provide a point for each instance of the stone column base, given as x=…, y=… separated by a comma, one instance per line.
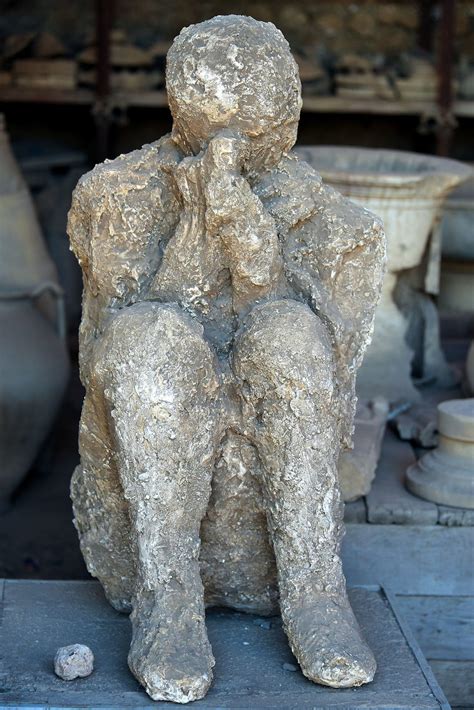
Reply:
x=446, y=475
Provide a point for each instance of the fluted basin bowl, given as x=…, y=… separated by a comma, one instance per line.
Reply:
x=405, y=189
x=457, y=225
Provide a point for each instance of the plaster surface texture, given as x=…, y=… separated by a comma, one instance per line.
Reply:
x=446, y=475
x=229, y=297
x=407, y=191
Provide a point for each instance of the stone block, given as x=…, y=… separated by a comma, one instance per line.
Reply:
x=356, y=468
x=254, y=665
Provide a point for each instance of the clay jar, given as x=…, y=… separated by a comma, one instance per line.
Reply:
x=33, y=357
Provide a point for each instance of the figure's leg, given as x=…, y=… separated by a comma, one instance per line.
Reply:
x=283, y=361
x=162, y=393
x=100, y=509
x=237, y=560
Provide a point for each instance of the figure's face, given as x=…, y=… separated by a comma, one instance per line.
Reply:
x=235, y=73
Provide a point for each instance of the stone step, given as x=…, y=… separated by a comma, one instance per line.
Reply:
x=254, y=665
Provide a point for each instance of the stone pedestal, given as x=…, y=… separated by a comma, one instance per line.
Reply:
x=457, y=286
x=458, y=215
x=254, y=665
x=446, y=475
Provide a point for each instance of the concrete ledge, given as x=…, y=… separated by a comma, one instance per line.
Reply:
x=250, y=652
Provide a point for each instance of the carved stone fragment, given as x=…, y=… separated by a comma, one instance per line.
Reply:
x=356, y=468
x=418, y=424
x=229, y=297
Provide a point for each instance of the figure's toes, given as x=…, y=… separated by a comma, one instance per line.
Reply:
x=165, y=678
x=327, y=641
x=170, y=654
x=165, y=683
x=338, y=669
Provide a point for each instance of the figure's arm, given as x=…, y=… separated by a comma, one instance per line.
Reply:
x=236, y=216
x=334, y=257
x=120, y=212
x=348, y=259
x=337, y=262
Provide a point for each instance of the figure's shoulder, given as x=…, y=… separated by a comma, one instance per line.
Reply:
x=148, y=166
x=295, y=193
x=126, y=203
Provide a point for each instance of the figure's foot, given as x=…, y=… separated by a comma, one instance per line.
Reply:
x=170, y=654
x=326, y=639
x=120, y=602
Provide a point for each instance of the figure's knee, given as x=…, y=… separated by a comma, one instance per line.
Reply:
x=285, y=344
x=155, y=353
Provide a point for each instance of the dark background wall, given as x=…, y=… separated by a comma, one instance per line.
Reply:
x=323, y=29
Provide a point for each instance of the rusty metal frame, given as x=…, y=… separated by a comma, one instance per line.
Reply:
x=445, y=65
x=102, y=110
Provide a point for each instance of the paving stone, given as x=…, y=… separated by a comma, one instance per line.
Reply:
x=455, y=517
x=38, y=617
x=389, y=501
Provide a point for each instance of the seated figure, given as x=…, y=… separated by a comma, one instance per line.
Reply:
x=228, y=299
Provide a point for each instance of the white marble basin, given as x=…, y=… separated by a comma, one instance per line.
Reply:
x=407, y=191
x=458, y=224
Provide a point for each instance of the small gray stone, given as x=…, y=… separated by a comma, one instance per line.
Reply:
x=289, y=667
x=75, y=661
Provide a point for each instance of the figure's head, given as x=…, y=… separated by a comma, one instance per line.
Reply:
x=233, y=72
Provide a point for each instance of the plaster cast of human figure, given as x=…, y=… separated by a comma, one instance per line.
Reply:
x=228, y=299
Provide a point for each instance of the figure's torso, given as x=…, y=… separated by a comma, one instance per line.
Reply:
x=195, y=270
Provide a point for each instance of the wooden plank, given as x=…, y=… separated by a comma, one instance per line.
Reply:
x=342, y=104
x=16, y=94
x=389, y=501
x=464, y=109
x=311, y=104
x=457, y=680
x=323, y=104
x=145, y=99
x=411, y=559
x=443, y=626
x=339, y=104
